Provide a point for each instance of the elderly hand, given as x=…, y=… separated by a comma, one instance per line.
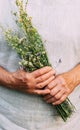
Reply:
x=62, y=86
x=33, y=82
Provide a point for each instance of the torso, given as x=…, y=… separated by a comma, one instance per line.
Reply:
x=58, y=23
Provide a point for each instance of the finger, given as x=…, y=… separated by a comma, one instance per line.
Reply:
x=55, y=98
x=45, y=76
x=41, y=71
x=46, y=97
x=52, y=84
x=59, y=94
x=42, y=85
x=62, y=99
x=55, y=90
x=51, y=100
x=42, y=92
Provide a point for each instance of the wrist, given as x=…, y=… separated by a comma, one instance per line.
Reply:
x=6, y=78
x=76, y=74
x=72, y=78
x=9, y=80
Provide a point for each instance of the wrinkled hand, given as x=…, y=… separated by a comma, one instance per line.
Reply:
x=34, y=82
x=60, y=88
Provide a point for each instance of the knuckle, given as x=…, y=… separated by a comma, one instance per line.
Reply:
x=34, y=73
x=51, y=85
x=52, y=93
x=39, y=72
x=61, y=80
x=57, y=96
x=40, y=86
x=41, y=78
x=58, y=80
x=51, y=79
x=37, y=86
x=48, y=86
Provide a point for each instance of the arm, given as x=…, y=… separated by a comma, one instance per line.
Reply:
x=63, y=85
x=5, y=77
x=27, y=82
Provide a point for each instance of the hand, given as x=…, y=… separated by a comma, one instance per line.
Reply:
x=33, y=82
x=61, y=87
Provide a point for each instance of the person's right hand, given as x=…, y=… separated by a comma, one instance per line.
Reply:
x=34, y=82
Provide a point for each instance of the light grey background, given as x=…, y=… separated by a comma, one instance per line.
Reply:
x=58, y=22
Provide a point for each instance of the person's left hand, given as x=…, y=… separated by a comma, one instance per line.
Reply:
x=60, y=88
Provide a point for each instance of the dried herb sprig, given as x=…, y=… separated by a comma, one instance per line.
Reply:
x=31, y=49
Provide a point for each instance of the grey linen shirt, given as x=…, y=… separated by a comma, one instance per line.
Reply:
x=58, y=22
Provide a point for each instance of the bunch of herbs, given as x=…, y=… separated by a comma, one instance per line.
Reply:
x=31, y=49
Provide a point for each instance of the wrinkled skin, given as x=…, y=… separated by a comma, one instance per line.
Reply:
x=55, y=89
x=62, y=86
x=32, y=83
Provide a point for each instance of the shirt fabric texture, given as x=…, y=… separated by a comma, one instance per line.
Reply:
x=58, y=22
